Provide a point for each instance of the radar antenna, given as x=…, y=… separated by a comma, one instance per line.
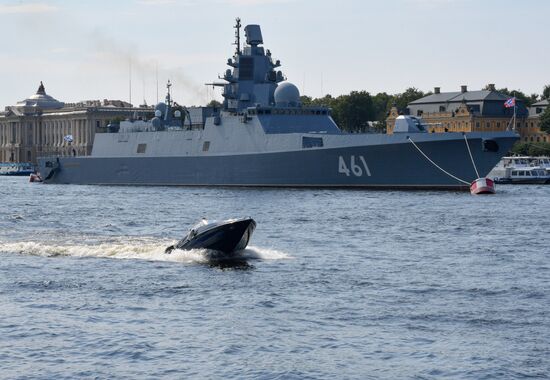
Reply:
x=168, y=98
x=238, y=35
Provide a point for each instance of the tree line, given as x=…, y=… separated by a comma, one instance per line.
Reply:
x=352, y=112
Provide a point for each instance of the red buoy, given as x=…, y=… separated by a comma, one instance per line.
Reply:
x=482, y=186
x=35, y=178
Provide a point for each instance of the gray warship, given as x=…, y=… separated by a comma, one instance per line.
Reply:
x=264, y=136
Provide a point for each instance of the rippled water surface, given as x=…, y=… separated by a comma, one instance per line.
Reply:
x=335, y=284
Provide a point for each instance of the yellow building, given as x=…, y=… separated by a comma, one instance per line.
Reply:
x=467, y=111
x=533, y=123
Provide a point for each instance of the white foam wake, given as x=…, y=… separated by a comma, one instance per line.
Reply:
x=145, y=250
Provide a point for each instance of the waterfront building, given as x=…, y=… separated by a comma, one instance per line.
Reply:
x=40, y=124
x=469, y=111
x=533, y=121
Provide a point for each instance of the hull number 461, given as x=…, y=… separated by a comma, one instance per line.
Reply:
x=357, y=166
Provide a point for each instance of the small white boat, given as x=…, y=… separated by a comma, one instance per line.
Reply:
x=543, y=163
x=520, y=170
x=525, y=176
x=16, y=169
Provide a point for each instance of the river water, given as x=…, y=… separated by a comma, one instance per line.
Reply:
x=335, y=284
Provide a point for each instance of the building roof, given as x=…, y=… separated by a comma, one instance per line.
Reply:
x=458, y=97
x=541, y=103
x=41, y=100
x=538, y=108
x=481, y=103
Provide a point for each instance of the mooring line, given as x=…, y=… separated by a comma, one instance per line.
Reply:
x=471, y=157
x=436, y=165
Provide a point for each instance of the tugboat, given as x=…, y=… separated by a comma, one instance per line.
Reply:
x=228, y=236
x=264, y=136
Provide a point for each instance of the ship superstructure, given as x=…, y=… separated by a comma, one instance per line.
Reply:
x=264, y=136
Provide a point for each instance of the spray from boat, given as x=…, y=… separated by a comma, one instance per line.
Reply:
x=146, y=249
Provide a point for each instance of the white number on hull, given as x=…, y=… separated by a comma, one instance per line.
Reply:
x=356, y=169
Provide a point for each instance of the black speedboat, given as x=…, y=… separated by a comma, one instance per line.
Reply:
x=226, y=236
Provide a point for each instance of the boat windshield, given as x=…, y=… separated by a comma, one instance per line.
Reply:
x=201, y=223
x=193, y=230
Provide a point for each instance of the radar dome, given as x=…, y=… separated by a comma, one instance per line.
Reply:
x=160, y=107
x=287, y=95
x=156, y=123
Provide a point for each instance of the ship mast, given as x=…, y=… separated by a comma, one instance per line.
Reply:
x=168, y=98
x=514, y=95
x=237, y=36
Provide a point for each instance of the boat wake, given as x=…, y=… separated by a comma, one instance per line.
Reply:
x=145, y=250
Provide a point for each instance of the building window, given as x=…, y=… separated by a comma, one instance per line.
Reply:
x=498, y=124
x=488, y=125
x=477, y=124
x=141, y=148
x=419, y=113
x=206, y=146
x=441, y=108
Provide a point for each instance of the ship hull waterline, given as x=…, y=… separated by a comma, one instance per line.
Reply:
x=399, y=166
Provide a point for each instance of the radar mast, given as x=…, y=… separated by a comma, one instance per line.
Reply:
x=237, y=36
x=168, y=98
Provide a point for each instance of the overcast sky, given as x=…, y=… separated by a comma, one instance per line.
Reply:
x=84, y=49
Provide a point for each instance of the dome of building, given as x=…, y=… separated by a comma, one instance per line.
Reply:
x=41, y=100
x=287, y=95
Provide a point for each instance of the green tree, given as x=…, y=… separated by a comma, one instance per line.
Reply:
x=520, y=149
x=545, y=120
x=381, y=103
x=410, y=95
x=214, y=103
x=354, y=111
x=546, y=92
x=538, y=149
x=306, y=100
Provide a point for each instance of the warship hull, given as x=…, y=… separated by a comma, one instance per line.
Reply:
x=389, y=161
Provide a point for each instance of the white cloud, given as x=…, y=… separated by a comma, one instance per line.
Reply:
x=27, y=8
